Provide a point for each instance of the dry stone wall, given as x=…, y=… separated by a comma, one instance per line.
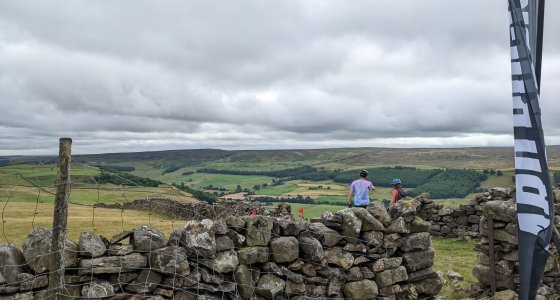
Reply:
x=352, y=254
x=190, y=211
x=456, y=222
x=501, y=207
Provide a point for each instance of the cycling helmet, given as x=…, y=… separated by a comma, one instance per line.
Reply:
x=396, y=181
x=363, y=173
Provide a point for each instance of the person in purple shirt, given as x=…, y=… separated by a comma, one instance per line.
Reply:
x=359, y=191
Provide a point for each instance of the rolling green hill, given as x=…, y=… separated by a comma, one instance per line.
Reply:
x=322, y=174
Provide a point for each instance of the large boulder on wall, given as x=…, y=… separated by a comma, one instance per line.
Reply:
x=148, y=238
x=37, y=245
x=199, y=238
x=351, y=224
x=407, y=209
x=258, y=230
x=11, y=262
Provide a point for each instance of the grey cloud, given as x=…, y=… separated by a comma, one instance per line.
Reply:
x=256, y=74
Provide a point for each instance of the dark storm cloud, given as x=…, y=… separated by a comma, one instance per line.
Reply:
x=133, y=75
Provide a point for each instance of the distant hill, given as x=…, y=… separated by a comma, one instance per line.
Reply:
x=344, y=158
x=321, y=174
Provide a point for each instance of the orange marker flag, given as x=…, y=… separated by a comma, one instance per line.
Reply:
x=301, y=211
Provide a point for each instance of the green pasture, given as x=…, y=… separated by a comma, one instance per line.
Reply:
x=41, y=175
x=230, y=182
x=313, y=210
x=91, y=194
x=278, y=190
x=458, y=256
x=227, y=164
x=332, y=199
x=36, y=183
x=379, y=194
x=143, y=169
x=499, y=181
x=304, y=188
x=32, y=170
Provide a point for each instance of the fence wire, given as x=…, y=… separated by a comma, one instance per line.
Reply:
x=86, y=277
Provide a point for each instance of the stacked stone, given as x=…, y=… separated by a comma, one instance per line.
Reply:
x=190, y=211
x=393, y=252
x=501, y=207
x=414, y=246
x=354, y=253
x=461, y=222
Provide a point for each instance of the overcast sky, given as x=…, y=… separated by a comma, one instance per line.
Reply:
x=146, y=75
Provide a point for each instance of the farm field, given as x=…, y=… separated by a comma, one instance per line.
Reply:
x=41, y=174
x=230, y=182
x=18, y=183
x=313, y=210
x=278, y=190
x=501, y=181
x=19, y=218
x=182, y=165
x=91, y=194
x=36, y=183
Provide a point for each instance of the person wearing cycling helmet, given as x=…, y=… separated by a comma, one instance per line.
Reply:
x=359, y=191
x=397, y=193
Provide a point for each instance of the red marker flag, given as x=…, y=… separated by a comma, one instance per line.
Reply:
x=254, y=213
x=301, y=211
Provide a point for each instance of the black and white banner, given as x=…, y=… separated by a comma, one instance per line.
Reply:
x=535, y=201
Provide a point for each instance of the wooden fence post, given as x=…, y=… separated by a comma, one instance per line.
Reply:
x=60, y=219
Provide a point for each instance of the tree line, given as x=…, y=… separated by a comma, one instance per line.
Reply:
x=4, y=162
x=298, y=199
x=274, y=173
x=439, y=183
x=170, y=169
x=197, y=194
x=411, y=177
x=117, y=168
x=451, y=183
x=126, y=179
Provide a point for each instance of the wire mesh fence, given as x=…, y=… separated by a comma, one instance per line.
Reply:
x=129, y=241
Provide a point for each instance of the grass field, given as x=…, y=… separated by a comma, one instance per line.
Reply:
x=230, y=182
x=499, y=181
x=90, y=194
x=36, y=183
x=329, y=191
x=278, y=190
x=144, y=169
x=313, y=189
x=43, y=175
x=313, y=210
x=332, y=199
x=319, y=188
x=457, y=256
x=20, y=217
